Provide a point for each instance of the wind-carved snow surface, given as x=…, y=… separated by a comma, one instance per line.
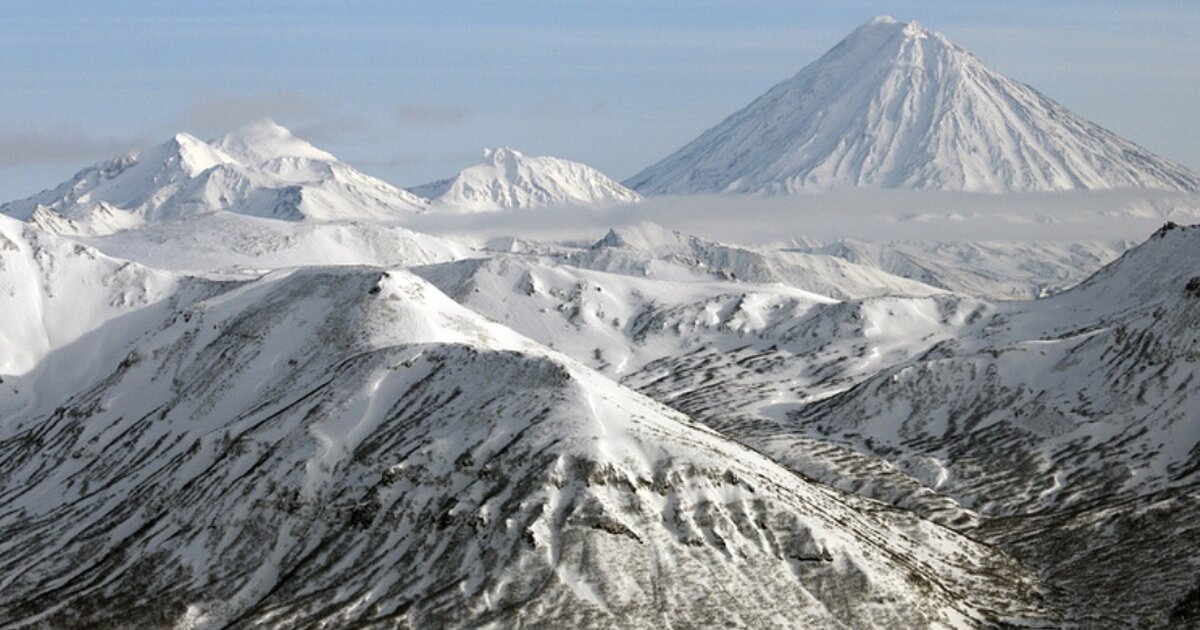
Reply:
x=1010, y=419
x=1081, y=409
x=895, y=105
x=329, y=447
x=510, y=179
x=259, y=170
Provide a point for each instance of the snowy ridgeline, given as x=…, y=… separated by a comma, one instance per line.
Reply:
x=569, y=440
x=263, y=170
x=244, y=385
x=335, y=445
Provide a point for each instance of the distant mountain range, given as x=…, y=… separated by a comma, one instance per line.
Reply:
x=260, y=170
x=264, y=170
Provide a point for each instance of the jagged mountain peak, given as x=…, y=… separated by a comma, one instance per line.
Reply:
x=507, y=178
x=191, y=154
x=499, y=155
x=264, y=139
x=896, y=105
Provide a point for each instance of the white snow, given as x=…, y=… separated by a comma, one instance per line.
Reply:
x=260, y=170
x=508, y=178
x=305, y=397
x=895, y=105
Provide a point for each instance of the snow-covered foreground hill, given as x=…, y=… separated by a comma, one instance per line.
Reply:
x=1077, y=418
x=340, y=446
x=602, y=433
x=979, y=415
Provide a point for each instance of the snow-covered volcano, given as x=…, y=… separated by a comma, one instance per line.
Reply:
x=895, y=105
x=260, y=170
x=510, y=179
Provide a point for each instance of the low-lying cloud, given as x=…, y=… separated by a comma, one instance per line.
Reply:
x=871, y=215
x=64, y=146
x=431, y=115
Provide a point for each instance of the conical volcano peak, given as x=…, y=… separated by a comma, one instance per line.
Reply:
x=895, y=105
x=914, y=29
x=264, y=140
x=885, y=38
x=890, y=25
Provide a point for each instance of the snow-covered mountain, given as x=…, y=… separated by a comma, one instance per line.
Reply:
x=1047, y=426
x=259, y=170
x=510, y=179
x=346, y=446
x=895, y=105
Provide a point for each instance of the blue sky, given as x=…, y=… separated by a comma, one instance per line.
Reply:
x=413, y=91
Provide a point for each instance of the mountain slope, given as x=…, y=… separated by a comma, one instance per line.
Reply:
x=53, y=291
x=1063, y=429
x=733, y=355
x=1070, y=423
x=510, y=179
x=332, y=447
x=1093, y=391
x=260, y=170
x=897, y=106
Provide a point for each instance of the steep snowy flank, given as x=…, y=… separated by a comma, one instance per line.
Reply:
x=734, y=355
x=897, y=106
x=1063, y=428
x=339, y=447
x=1093, y=390
x=53, y=291
x=1074, y=418
x=260, y=170
x=509, y=179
